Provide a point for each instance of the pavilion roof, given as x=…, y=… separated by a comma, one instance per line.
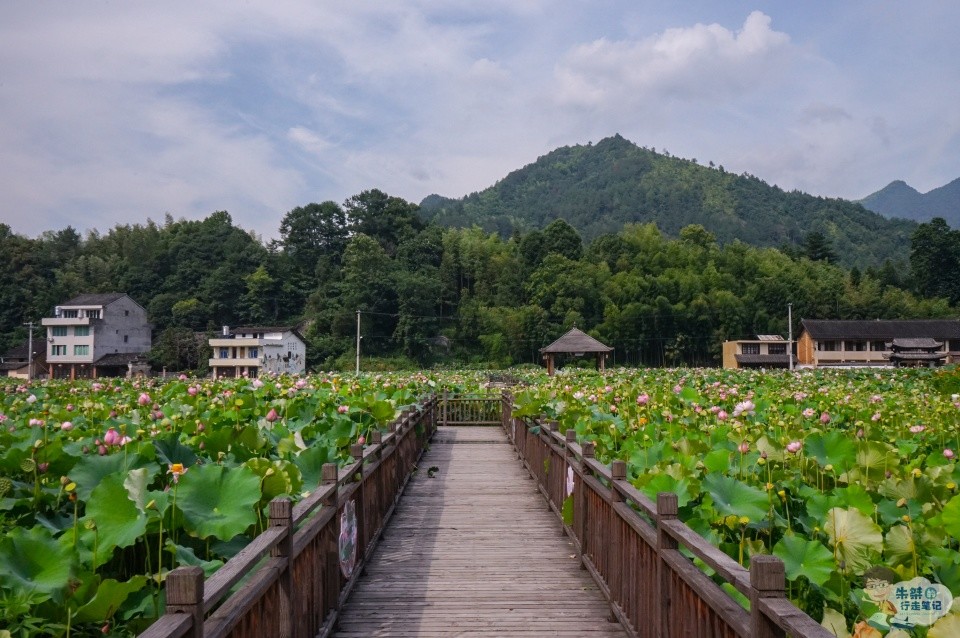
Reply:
x=575, y=341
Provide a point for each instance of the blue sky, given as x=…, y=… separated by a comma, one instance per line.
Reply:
x=116, y=112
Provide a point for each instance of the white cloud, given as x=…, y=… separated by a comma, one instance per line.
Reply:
x=695, y=63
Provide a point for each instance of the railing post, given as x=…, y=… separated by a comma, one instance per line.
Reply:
x=443, y=413
x=185, y=596
x=583, y=530
x=331, y=552
x=666, y=510
x=281, y=515
x=356, y=451
x=767, y=580
x=618, y=472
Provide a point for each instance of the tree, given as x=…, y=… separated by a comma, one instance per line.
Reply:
x=562, y=238
x=817, y=247
x=935, y=260
x=388, y=220
x=314, y=233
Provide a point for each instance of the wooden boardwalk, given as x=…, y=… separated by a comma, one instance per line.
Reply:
x=474, y=551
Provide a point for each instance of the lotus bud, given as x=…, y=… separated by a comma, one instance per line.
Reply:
x=272, y=415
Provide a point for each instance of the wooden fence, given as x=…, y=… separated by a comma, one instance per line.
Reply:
x=289, y=582
x=634, y=549
x=471, y=409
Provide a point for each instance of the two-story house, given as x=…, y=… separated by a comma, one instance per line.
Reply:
x=766, y=351
x=873, y=342
x=254, y=350
x=96, y=335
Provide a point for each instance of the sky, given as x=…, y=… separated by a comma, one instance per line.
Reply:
x=116, y=112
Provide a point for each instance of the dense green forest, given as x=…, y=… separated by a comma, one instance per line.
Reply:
x=434, y=295
x=599, y=188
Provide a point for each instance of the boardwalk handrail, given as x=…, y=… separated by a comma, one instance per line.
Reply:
x=289, y=576
x=470, y=408
x=635, y=548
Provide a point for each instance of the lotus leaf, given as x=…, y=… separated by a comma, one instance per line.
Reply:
x=110, y=595
x=856, y=539
x=170, y=450
x=33, y=561
x=805, y=558
x=899, y=547
x=733, y=497
x=118, y=520
x=831, y=448
x=91, y=470
x=951, y=516
x=834, y=621
x=277, y=478
x=218, y=501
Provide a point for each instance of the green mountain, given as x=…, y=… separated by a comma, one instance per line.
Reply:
x=898, y=199
x=598, y=188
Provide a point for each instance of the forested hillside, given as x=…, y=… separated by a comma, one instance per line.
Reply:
x=431, y=295
x=899, y=199
x=599, y=188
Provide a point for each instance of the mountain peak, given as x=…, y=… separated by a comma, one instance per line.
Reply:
x=899, y=199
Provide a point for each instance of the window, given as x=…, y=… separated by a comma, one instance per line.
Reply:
x=126, y=338
x=93, y=314
x=126, y=313
x=856, y=346
x=252, y=353
x=224, y=353
x=81, y=351
x=777, y=348
x=58, y=331
x=828, y=346
x=58, y=351
x=750, y=348
x=878, y=346
x=71, y=314
x=81, y=331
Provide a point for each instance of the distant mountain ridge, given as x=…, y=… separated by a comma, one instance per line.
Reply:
x=598, y=188
x=899, y=199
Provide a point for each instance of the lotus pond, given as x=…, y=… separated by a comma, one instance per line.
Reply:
x=848, y=476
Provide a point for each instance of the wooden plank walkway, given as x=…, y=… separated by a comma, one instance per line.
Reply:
x=474, y=551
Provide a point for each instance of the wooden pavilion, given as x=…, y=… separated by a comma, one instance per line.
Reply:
x=576, y=343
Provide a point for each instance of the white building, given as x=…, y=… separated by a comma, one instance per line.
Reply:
x=96, y=335
x=254, y=350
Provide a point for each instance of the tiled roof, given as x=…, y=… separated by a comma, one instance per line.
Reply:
x=917, y=344
x=117, y=358
x=576, y=341
x=99, y=299
x=882, y=329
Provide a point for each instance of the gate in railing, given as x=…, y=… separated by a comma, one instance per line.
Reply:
x=471, y=409
x=634, y=548
x=295, y=576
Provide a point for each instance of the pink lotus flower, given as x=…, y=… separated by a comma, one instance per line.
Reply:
x=948, y=453
x=144, y=399
x=66, y=426
x=808, y=413
x=794, y=447
x=643, y=399
x=112, y=437
x=192, y=391
x=183, y=377
x=272, y=416
x=343, y=409
x=744, y=447
x=361, y=440
x=875, y=417
x=824, y=418
x=722, y=415
x=917, y=429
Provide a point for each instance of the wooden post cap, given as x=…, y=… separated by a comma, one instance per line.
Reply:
x=376, y=437
x=281, y=508
x=329, y=473
x=185, y=587
x=571, y=436
x=618, y=470
x=588, y=449
x=667, y=505
x=767, y=575
x=356, y=451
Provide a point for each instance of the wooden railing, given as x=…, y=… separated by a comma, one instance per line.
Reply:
x=470, y=409
x=637, y=550
x=288, y=581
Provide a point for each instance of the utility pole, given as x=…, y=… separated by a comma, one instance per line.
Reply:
x=358, y=343
x=29, y=351
x=790, y=332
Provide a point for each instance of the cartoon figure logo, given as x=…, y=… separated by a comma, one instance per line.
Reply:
x=878, y=585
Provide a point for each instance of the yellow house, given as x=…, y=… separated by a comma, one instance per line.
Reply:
x=766, y=351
